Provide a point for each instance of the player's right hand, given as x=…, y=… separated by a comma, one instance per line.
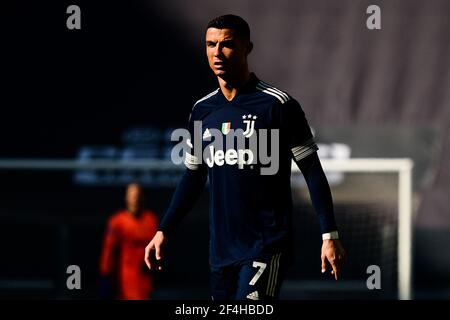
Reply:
x=153, y=251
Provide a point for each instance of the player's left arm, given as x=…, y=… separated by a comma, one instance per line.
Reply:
x=304, y=151
x=333, y=253
x=109, y=258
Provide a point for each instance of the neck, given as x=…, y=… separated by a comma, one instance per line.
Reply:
x=231, y=87
x=134, y=212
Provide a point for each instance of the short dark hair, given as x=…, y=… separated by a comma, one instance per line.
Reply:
x=233, y=22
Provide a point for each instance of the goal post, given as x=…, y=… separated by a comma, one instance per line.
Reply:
x=403, y=167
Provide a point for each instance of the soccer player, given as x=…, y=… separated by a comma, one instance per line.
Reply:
x=250, y=212
x=124, y=275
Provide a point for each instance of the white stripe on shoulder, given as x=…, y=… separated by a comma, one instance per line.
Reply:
x=284, y=94
x=271, y=92
x=207, y=96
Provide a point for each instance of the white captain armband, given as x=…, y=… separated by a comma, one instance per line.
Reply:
x=330, y=235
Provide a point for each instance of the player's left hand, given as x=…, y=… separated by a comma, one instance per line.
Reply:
x=333, y=253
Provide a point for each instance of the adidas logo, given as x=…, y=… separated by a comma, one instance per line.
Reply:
x=253, y=295
x=206, y=134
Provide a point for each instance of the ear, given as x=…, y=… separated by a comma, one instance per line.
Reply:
x=249, y=47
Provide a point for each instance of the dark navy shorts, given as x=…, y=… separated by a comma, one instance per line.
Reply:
x=259, y=279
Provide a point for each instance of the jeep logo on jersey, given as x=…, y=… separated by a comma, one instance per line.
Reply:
x=228, y=146
x=231, y=157
x=250, y=125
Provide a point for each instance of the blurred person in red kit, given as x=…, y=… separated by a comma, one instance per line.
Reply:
x=123, y=272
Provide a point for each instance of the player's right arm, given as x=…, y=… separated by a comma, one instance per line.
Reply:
x=188, y=191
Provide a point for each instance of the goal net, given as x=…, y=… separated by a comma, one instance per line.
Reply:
x=372, y=201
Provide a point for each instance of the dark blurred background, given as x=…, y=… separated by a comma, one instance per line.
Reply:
x=116, y=88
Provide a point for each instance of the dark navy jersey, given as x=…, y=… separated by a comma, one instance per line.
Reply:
x=250, y=212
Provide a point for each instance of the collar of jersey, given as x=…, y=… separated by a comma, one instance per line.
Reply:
x=249, y=87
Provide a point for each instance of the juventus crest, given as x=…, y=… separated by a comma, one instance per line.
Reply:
x=249, y=121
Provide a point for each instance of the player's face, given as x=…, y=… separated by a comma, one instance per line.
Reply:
x=227, y=53
x=134, y=198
